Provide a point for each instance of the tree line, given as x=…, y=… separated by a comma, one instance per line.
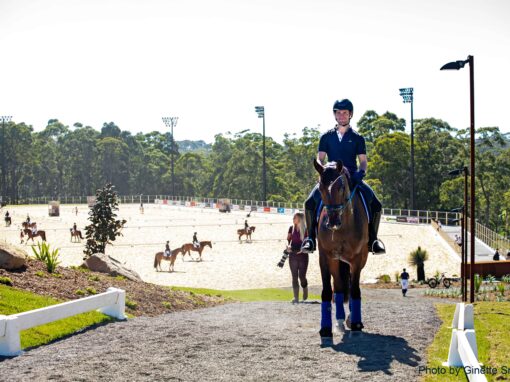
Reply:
x=76, y=160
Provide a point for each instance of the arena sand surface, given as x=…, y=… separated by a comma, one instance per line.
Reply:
x=229, y=264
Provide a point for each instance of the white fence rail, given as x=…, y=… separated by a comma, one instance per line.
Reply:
x=463, y=350
x=111, y=303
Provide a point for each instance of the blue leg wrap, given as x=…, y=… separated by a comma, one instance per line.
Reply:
x=326, y=315
x=339, y=305
x=355, y=310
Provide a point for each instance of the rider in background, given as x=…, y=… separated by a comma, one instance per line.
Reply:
x=246, y=226
x=6, y=214
x=196, y=244
x=75, y=228
x=167, y=249
x=28, y=219
x=345, y=144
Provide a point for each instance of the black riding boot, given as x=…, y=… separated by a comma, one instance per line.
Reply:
x=309, y=244
x=374, y=244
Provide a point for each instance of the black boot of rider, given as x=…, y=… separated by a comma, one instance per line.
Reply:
x=374, y=244
x=309, y=244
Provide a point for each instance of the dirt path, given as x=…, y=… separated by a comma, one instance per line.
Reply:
x=253, y=341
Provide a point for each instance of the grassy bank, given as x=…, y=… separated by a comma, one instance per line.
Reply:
x=16, y=301
x=492, y=324
x=247, y=295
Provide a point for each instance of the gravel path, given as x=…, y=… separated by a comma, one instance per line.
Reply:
x=264, y=341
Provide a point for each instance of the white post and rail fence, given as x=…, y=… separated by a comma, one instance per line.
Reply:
x=463, y=350
x=111, y=303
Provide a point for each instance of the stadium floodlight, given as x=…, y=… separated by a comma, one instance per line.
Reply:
x=4, y=119
x=171, y=122
x=261, y=114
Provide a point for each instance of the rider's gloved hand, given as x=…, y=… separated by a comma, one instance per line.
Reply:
x=358, y=176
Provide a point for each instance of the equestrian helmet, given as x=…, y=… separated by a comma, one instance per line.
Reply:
x=344, y=104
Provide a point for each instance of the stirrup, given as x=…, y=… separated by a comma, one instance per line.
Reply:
x=378, y=247
x=311, y=247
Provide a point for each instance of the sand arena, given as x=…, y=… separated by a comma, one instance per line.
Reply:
x=229, y=264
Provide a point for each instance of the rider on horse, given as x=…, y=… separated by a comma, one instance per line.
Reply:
x=196, y=243
x=34, y=229
x=345, y=144
x=7, y=215
x=167, y=249
x=74, y=227
x=246, y=226
x=28, y=219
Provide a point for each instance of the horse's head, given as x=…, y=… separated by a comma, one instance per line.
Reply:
x=334, y=189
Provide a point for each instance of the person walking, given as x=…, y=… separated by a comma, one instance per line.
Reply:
x=298, y=260
x=404, y=281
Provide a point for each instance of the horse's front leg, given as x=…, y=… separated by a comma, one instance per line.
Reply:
x=355, y=300
x=326, y=331
x=340, y=290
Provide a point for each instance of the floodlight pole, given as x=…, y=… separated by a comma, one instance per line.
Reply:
x=4, y=119
x=456, y=65
x=171, y=122
x=262, y=114
x=464, y=235
x=408, y=97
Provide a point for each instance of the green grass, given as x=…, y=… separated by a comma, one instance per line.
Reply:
x=248, y=295
x=16, y=301
x=491, y=327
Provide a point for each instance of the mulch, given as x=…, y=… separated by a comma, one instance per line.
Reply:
x=69, y=284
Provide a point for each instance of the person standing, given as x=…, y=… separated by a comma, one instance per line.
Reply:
x=298, y=261
x=404, y=281
x=496, y=255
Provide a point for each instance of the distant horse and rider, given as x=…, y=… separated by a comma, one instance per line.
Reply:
x=160, y=256
x=246, y=231
x=31, y=234
x=76, y=234
x=7, y=219
x=189, y=247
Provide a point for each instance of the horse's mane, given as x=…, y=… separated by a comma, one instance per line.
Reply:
x=331, y=173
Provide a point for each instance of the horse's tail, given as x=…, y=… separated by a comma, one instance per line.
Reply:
x=81, y=237
x=156, y=261
x=345, y=274
x=43, y=235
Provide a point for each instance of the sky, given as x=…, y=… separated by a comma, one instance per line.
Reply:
x=210, y=62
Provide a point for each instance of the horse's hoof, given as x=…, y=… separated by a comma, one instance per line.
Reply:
x=326, y=342
x=340, y=324
x=357, y=327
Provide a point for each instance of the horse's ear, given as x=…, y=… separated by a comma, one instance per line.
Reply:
x=318, y=166
x=339, y=165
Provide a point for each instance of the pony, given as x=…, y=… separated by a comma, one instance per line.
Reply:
x=186, y=248
x=30, y=235
x=26, y=225
x=76, y=234
x=161, y=256
x=343, y=250
x=243, y=231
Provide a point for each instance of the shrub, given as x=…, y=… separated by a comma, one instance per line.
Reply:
x=418, y=257
x=397, y=276
x=490, y=279
x=91, y=290
x=131, y=304
x=166, y=304
x=49, y=258
x=80, y=292
x=5, y=281
x=478, y=282
x=57, y=275
x=506, y=279
x=80, y=269
x=94, y=278
x=120, y=277
x=40, y=274
x=385, y=279
x=501, y=289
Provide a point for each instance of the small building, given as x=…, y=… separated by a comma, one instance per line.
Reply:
x=54, y=208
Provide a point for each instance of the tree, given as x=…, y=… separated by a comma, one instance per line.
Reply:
x=104, y=227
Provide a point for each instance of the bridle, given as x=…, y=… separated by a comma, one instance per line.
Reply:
x=341, y=206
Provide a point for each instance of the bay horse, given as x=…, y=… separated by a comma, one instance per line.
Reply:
x=161, y=256
x=343, y=250
x=30, y=235
x=186, y=248
x=26, y=225
x=76, y=234
x=243, y=231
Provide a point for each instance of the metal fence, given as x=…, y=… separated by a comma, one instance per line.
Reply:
x=491, y=238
